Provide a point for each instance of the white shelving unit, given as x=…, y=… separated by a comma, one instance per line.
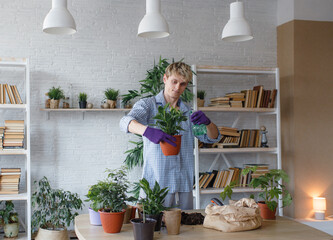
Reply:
x=224, y=153
x=24, y=195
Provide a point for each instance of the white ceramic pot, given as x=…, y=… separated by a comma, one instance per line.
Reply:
x=45, y=234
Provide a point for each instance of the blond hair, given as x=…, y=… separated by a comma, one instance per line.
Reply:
x=181, y=69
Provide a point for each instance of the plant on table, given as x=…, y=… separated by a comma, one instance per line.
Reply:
x=53, y=209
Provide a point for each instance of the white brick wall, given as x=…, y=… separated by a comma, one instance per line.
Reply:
x=105, y=52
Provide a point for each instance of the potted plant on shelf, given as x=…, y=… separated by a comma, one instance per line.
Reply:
x=53, y=210
x=83, y=100
x=112, y=197
x=272, y=189
x=111, y=96
x=55, y=94
x=153, y=202
x=169, y=119
x=201, y=98
x=9, y=220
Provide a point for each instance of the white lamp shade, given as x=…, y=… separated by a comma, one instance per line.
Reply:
x=153, y=24
x=59, y=20
x=319, y=204
x=237, y=29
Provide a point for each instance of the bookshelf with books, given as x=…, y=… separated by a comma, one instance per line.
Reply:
x=242, y=99
x=15, y=174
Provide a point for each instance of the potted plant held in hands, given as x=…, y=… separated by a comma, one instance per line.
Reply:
x=112, y=196
x=53, y=210
x=169, y=120
x=83, y=100
x=9, y=219
x=111, y=96
x=272, y=189
x=55, y=94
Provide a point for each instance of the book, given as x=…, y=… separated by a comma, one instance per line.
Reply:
x=17, y=95
x=260, y=89
x=273, y=98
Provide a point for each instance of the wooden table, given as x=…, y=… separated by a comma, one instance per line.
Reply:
x=282, y=228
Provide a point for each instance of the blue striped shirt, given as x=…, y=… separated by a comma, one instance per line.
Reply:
x=174, y=172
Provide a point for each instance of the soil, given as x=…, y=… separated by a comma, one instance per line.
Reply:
x=192, y=218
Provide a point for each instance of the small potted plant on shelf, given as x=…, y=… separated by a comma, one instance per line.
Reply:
x=169, y=120
x=201, y=98
x=153, y=202
x=83, y=100
x=112, y=197
x=55, y=94
x=53, y=210
x=272, y=189
x=111, y=96
x=9, y=220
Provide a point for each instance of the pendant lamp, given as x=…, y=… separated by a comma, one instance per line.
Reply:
x=59, y=20
x=237, y=28
x=153, y=24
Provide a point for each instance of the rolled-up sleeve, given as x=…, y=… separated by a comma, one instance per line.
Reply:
x=139, y=112
x=204, y=138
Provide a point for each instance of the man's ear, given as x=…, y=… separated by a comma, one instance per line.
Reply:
x=164, y=78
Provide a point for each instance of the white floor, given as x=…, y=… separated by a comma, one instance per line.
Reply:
x=322, y=225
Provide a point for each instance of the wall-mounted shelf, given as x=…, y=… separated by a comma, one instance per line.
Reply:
x=83, y=110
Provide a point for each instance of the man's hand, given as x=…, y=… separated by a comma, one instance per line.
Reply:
x=200, y=118
x=156, y=136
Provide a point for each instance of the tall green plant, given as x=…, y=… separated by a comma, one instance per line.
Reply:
x=153, y=202
x=53, y=208
x=83, y=97
x=135, y=155
x=168, y=119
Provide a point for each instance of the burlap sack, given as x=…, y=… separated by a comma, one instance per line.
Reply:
x=241, y=215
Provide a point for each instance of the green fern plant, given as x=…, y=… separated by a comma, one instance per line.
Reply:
x=56, y=93
x=201, y=94
x=83, y=97
x=111, y=94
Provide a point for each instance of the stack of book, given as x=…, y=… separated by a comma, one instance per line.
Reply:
x=236, y=99
x=12, y=92
x=2, y=130
x=230, y=137
x=219, y=102
x=259, y=98
x=250, y=138
x=9, y=180
x=14, y=134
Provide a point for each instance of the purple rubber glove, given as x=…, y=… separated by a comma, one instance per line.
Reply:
x=200, y=118
x=156, y=136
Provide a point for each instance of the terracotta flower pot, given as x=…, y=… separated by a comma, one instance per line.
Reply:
x=94, y=218
x=172, y=219
x=112, y=221
x=112, y=103
x=52, y=234
x=54, y=104
x=168, y=149
x=200, y=102
x=265, y=212
x=143, y=231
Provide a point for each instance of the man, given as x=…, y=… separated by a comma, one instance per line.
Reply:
x=174, y=172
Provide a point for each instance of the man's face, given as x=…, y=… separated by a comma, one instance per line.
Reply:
x=174, y=85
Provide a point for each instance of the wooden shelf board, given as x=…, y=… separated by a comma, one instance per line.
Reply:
x=13, y=152
x=230, y=109
x=235, y=70
x=237, y=150
x=86, y=110
x=13, y=106
x=235, y=190
x=20, y=196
